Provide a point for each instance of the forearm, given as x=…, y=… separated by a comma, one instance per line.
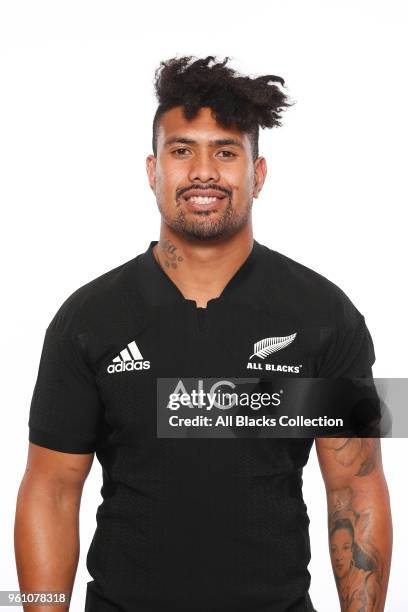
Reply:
x=46, y=539
x=366, y=507
x=359, y=520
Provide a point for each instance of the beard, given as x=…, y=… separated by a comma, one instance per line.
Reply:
x=210, y=225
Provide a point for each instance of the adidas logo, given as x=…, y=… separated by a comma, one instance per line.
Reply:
x=128, y=359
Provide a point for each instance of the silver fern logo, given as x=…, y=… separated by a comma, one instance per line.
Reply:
x=267, y=346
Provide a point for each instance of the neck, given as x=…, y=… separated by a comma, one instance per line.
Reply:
x=202, y=268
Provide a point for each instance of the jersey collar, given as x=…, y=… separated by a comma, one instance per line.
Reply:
x=158, y=288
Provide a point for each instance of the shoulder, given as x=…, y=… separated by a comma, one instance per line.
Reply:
x=362, y=581
x=309, y=290
x=96, y=301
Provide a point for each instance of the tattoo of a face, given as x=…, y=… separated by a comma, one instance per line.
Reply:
x=360, y=454
x=355, y=559
x=169, y=250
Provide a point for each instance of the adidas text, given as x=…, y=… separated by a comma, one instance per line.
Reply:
x=126, y=366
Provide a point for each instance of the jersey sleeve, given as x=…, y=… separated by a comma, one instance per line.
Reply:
x=350, y=349
x=66, y=412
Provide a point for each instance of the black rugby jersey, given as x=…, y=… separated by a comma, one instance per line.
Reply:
x=192, y=524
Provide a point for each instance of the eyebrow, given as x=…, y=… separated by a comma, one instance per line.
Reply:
x=219, y=142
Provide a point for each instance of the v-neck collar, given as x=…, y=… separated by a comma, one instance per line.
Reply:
x=160, y=288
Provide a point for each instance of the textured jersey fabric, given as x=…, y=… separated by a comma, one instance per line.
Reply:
x=192, y=524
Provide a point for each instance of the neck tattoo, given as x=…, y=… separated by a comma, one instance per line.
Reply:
x=170, y=256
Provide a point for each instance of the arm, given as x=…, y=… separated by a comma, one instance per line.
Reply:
x=46, y=533
x=359, y=520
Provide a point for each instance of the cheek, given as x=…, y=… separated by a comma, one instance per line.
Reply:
x=172, y=176
x=166, y=181
x=242, y=182
x=242, y=192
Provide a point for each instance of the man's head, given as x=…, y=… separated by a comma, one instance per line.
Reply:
x=205, y=169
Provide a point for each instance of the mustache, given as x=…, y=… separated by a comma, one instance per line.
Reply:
x=183, y=190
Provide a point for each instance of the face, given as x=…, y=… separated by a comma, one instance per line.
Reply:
x=341, y=551
x=203, y=176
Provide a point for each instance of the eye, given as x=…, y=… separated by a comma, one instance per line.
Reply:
x=226, y=153
x=180, y=152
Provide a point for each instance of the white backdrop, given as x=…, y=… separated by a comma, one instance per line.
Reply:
x=76, y=106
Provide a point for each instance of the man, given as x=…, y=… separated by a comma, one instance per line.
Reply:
x=194, y=524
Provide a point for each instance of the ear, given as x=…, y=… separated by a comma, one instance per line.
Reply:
x=151, y=171
x=261, y=170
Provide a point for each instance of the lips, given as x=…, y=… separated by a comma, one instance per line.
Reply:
x=203, y=197
x=202, y=200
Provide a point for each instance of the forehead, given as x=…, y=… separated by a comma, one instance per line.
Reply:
x=203, y=127
x=342, y=534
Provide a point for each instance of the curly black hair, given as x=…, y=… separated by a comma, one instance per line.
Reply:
x=237, y=101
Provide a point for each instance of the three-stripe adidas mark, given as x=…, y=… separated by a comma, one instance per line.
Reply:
x=130, y=358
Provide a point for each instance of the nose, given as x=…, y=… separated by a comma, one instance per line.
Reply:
x=203, y=169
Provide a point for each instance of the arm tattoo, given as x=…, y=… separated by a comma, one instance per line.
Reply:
x=169, y=250
x=360, y=454
x=355, y=559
